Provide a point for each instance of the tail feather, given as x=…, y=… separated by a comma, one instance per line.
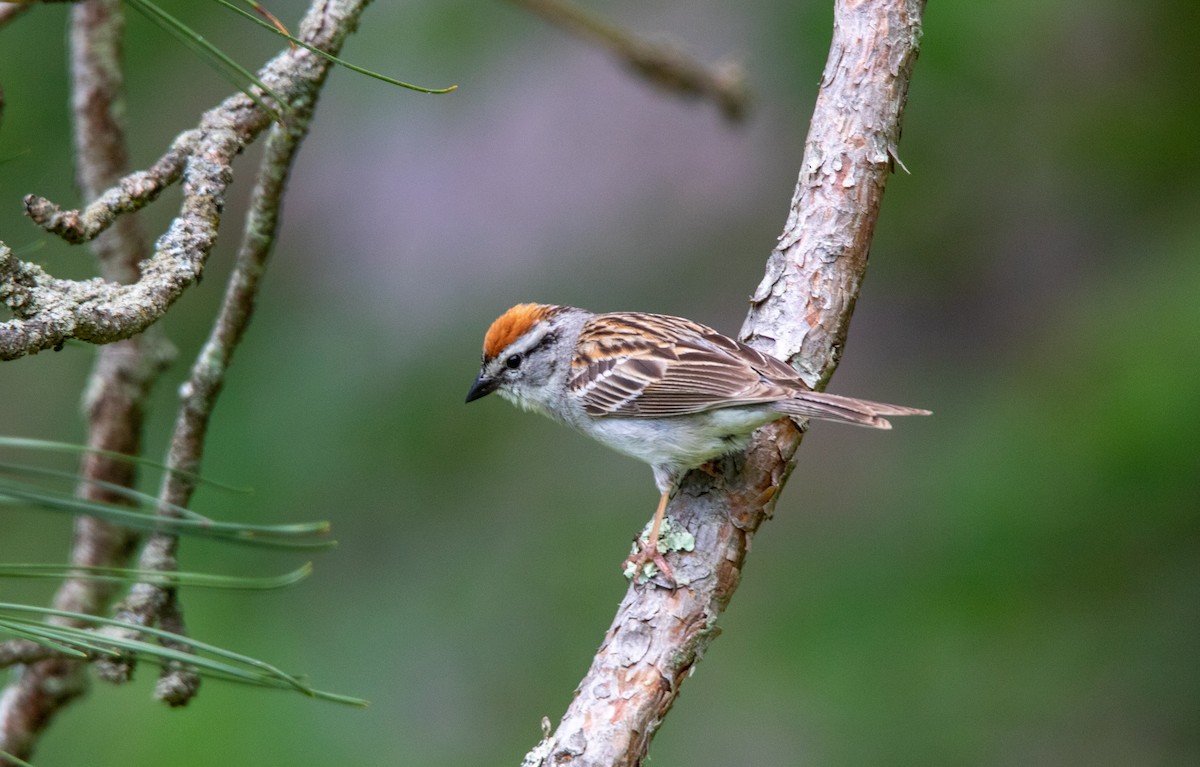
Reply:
x=832, y=407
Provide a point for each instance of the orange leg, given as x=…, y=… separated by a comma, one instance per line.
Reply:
x=656, y=525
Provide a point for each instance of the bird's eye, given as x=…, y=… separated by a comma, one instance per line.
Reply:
x=513, y=362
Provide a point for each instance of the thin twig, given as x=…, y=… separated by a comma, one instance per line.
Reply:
x=48, y=310
x=129, y=194
x=660, y=63
x=800, y=313
x=147, y=601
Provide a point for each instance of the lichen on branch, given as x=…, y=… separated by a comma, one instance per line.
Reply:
x=48, y=311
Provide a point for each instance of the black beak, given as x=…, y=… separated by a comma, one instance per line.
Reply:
x=482, y=387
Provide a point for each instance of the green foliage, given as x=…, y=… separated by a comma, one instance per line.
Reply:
x=207, y=659
x=144, y=514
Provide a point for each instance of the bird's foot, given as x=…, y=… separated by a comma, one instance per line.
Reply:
x=646, y=561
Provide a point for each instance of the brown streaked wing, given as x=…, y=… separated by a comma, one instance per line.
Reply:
x=654, y=366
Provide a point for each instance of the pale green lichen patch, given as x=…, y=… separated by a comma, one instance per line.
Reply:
x=671, y=537
x=674, y=537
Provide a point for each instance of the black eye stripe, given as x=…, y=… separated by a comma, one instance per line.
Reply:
x=545, y=340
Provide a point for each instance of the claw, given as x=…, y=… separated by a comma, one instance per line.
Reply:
x=636, y=564
x=648, y=553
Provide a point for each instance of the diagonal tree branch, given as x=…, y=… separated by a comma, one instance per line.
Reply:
x=801, y=313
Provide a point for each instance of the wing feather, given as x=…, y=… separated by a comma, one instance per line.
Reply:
x=654, y=365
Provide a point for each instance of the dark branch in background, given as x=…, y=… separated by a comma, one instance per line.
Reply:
x=660, y=63
x=49, y=310
x=801, y=313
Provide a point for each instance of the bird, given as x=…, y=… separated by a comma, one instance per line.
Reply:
x=662, y=389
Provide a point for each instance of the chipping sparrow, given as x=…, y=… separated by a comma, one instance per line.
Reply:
x=666, y=390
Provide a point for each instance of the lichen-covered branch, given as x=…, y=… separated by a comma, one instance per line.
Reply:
x=800, y=313
x=18, y=651
x=129, y=194
x=48, y=311
x=659, y=63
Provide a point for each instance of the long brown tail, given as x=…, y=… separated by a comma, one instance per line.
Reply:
x=831, y=407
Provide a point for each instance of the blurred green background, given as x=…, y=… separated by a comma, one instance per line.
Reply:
x=1013, y=581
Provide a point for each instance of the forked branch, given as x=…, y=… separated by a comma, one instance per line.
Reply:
x=48, y=311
